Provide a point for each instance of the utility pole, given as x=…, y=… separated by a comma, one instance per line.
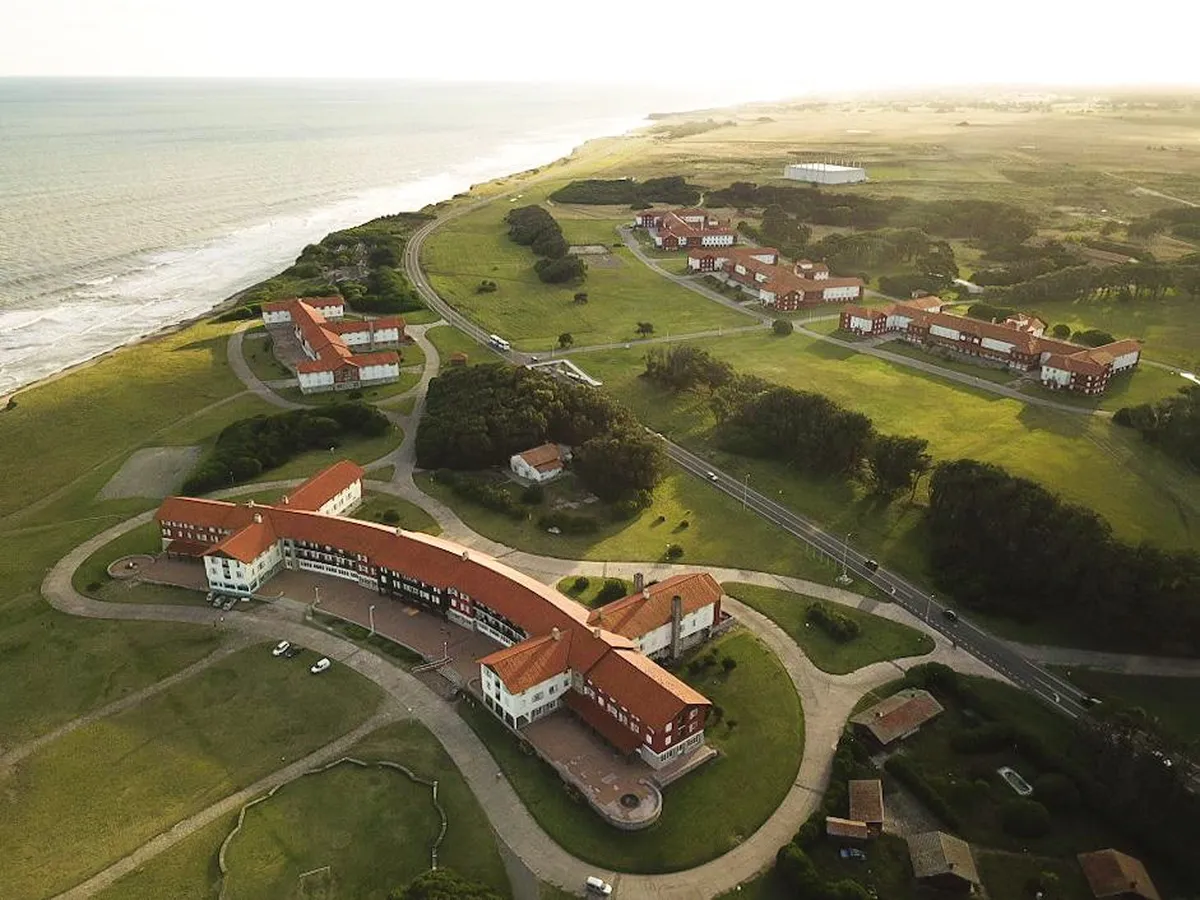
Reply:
x=745, y=490
x=844, y=578
x=371, y=616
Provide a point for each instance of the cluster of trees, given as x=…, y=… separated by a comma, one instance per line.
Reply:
x=1127, y=281
x=1008, y=545
x=443, y=884
x=804, y=429
x=1009, y=265
x=672, y=189
x=837, y=625
x=1183, y=222
x=480, y=416
x=386, y=290
x=250, y=447
x=1171, y=424
x=987, y=222
x=533, y=227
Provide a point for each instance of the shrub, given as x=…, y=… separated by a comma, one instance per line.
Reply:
x=838, y=626
x=986, y=738
x=1061, y=331
x=390, y=516
x=613, y=589
x=674, y=551
x=93, y=586
x=684, y=523
x=560, y=269
x=728, y=664
x=568, y=523
x=1092, y=337
x=533, y=494
x=1025, y=818
x=489, y=496
x=783, y=327
x=1058, y=792
x=487, y=287
x=580, y=584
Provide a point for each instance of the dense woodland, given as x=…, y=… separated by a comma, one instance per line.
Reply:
x=1008, y=545
x=1172, y=424
x=480, y=416
x=533, y=227
x=672, y=189
x=252, y=446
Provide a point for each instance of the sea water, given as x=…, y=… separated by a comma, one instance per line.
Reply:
x=126, y=206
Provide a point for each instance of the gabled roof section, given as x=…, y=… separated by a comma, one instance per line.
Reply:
x=324, y=486
x=203, y=513
x=866, y=800
x=544, y=458
x=529, y=663
x=1111, y=873
x=898, y=715
x=642, y=612
x=937, y=853
x=247, y=544
x=648, y=690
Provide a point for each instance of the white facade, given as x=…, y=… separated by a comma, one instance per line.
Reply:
x=942, y=331
x=859, y=323
x=379, y=372
x=347, y=499
x=311, y=382
x=524, y=470
x=825, y=173
x=276, y=316
x=716, y=240
x=658, y=760
x=529, y=705
x=993, y=344
x=834, y=294
x=333, y=311
x=1055, y=377
x=1126, y=361
x=232, y=576
x=898, y=321
x=366, y=337
x=660, y=638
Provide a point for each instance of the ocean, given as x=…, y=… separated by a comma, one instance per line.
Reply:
x=126, y=206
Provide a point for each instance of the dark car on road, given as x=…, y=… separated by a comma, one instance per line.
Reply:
x=950, y=614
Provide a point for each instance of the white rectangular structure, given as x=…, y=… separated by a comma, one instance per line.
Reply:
x=825, y=173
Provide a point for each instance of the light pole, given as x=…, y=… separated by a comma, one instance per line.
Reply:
x=371, y=616
x=928, y=606
x=844, y=578
x=745, y=489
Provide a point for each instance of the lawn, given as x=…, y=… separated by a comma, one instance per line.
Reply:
x=904, y=348
x=588, y=596
x=1173, y=702
x=361, y=450
x=449, y=340
x=719, y=532
x=170, y=756
x=1087, y=459
x=261, y=360
x=475, y=246
x=407, y=515
x=1005, y=875
x=1145, y=384
x=118, y=404
x=711, y=809
x=306, y=825
x=879, y=638
x=1168, y=326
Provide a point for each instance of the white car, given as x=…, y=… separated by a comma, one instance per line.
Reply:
x=598, y=886
x=281, y=648
x=320, y=665
x=711, y=476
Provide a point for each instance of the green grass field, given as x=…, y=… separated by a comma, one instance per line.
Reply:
x=588, y=595
x=361, y=450
x=152, y=765
x=262, y=362
x=707, y=812
x=1087, y=459
x=879, y=638
x=449, y=341
x=719, y=532
x=475, y=246
x=1173, y=702
x=310, y=824
x=411, y=516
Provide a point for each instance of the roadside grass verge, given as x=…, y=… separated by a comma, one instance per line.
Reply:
x=307, y=823
x=178, y=752
x=878, y=639
x=449, y=340
x=718, y=531
x=1174, y=703
x=589, y=595
x=761, y=739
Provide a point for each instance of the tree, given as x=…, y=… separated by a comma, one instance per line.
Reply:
x=565, y=340
x=1025, y=818
x=897, y=463
x=443, y=884
x=645, y=329
x=580, y=297
x=1061, y=331
x=620, y=463
x=782, y=327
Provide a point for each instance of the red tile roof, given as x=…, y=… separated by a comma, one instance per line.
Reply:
x=898, y=715
x=862, y=312
x=642, y=612
x=646, y=688
x=201, y=513
x=324, y=486
x=1111, y=873
x=846, y=828
x=249, y=543
x=531, y=662
x=866, y=801
x=544, y=458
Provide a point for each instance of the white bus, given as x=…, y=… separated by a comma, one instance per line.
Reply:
x=499, y=343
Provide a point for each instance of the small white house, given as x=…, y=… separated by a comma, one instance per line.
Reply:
x=540, y=464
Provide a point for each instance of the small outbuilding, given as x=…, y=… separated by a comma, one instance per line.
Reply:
x=847, y=828
x=1110, y=873
x=866, y=803
x=898, y=716
x=459, y=359
x=540, y=464
x=943, y=861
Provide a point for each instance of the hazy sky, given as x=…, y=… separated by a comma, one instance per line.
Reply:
x=765, y=48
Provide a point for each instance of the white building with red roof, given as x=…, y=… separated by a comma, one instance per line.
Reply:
x=332, y=363
x=685, y=229
x=761, y=274
x=552, y=653
x=540, y=464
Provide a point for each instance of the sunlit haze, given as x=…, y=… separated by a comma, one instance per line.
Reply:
x=769, y=49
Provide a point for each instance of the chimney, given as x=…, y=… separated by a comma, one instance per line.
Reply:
x=639, y=581
x=285, y=501
x=466, y=556
x=555, y=633
x=645, y=593
x=258, y=518
x=596, y=631
x=399, y=531
x=250, y=503
x=676, y=625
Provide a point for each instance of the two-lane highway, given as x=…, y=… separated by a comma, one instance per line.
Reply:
x=967, y=636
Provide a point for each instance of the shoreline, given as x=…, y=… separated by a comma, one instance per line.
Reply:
x=230, y=302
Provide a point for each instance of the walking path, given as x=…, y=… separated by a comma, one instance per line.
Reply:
x=231, y=804
x=18, y=753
